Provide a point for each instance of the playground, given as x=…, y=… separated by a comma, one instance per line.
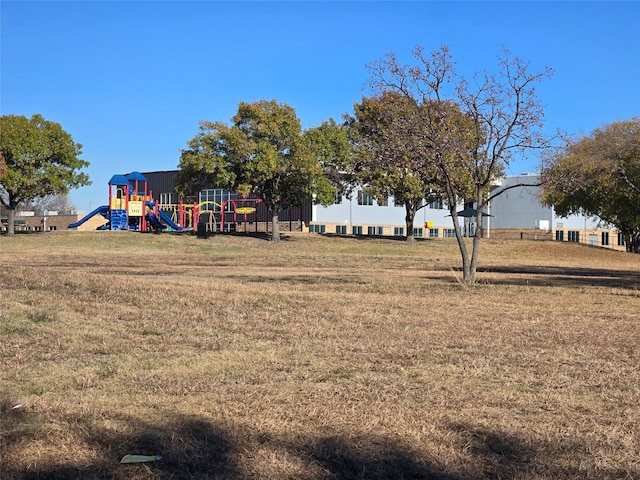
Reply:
x=133, y=207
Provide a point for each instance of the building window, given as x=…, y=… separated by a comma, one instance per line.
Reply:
x=573, y=236
x=437, y=205
x=52, y=228
x=168, y=199
x=620, y=239
x=371, y=231
x=605, y=238
x=418, y=232
x=433, y=232
x=364, y=198
x=341, y=229
x=560, y=235
x=356, y=230
x=215, y=197
x=449, y=232
x=398, y=231
x=317, y=228
x=338, y=200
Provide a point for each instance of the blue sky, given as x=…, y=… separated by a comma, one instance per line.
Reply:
x=131, y=80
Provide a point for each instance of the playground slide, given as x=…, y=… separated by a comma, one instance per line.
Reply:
x=155, y=221
x=100, y=210
x=167, y=219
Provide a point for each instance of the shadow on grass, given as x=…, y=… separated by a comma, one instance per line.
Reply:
x=371, y=457
x=285, y=235
x=199, y=448
x=189, y=447
x=377, y=238
x=503, y=455
x=549, y=276
x=566, y=276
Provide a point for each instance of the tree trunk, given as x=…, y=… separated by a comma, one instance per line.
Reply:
x=409, y=217
x=474, y=256
x=11, y=228
x=275, y=225
x=467, y=277
x=477, y=237
x=633, y=245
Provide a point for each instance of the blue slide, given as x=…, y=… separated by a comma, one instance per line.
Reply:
x=165, y=218
x=100, y=210
x=155, y=221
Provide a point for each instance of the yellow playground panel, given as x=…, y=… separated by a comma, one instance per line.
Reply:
x=118, y=203
x=136, y=208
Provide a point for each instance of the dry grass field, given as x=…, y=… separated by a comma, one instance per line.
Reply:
x=316, y=358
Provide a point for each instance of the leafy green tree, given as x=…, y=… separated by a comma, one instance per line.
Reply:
x=329, y=142
x=205, y=163
x=471, y=130
x=41, y=159
x=599, y=175
x=263, y=152
x=386, y=158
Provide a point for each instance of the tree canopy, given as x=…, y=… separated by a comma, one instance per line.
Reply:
x=599, y=175
x=387, y=161
x=329, y=143
x=263, y=152
x=40, y=159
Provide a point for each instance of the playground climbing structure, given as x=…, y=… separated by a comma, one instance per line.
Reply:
x=132, y=207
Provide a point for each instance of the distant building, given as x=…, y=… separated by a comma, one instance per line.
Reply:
x=520, y=207
x=516, y=213
x=27, y=221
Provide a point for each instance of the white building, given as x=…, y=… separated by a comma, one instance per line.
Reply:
x=362, y=215
x=517, y=212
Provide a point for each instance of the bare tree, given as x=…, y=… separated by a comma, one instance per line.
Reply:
x=470, y=129
x=59, y=203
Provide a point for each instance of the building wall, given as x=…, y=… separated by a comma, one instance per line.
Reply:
x=161, y=182
x=349, y=212
x=517, y=213
x=517, y=208
x=521, y=208
x=48, y=223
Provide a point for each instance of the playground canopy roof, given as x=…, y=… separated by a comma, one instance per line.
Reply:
x=470, y=213
x=118, y=180
x=133, y=176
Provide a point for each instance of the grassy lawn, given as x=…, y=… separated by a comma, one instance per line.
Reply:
x=316, y=358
